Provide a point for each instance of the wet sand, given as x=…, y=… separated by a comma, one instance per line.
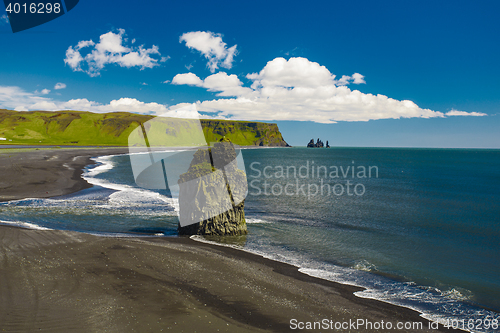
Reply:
x=46, y=173
x=60, y=281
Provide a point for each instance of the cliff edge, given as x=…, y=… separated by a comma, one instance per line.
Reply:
x=113, y=129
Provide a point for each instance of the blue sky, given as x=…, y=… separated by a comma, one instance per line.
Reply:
x=356, y=73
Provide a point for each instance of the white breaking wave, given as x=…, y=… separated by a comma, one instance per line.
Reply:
x=25, y=225
x=366, y=266
x=203, y=240
x=123, y=235
x=405, y=294
x=125, y=195
x=250, y=220
x=105, y=165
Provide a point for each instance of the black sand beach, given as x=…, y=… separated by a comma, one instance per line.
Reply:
x=61, y=281
x=46, y=173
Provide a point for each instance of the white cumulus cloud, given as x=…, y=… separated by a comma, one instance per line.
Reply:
x=111, y=50
x=187, y=78
x=60, y=85
x=299, y=89
x=45, y=91
x=356, y=78
x=223, y=84
x=212, y=47
x=464, y=113
x=183, y=110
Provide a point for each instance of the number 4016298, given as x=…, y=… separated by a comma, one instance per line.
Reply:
x=33, y=8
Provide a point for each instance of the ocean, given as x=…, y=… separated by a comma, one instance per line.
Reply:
x=418, y=228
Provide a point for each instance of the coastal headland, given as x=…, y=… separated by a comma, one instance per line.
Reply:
x=80, y=128
x=63, y=281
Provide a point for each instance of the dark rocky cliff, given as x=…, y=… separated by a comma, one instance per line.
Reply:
x=212, y=193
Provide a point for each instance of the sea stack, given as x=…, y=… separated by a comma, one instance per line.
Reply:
x=318, y=144
x=212, y=193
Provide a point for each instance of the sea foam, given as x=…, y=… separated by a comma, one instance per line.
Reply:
x=24, y=225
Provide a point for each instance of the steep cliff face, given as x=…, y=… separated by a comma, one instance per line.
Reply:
x=212, y=193
x=87, y=128
x=249, y=133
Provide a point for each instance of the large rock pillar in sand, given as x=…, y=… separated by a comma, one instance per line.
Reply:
x=212, y=193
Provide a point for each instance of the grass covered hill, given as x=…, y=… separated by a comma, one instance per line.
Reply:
x=113, y=129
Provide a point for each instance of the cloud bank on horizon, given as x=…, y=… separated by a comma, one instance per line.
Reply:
x=298, y=89
x=15, y=98
x=294, y=89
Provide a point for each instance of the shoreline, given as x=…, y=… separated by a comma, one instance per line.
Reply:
x=330, y=293
x=46, y=173
x=172, y=282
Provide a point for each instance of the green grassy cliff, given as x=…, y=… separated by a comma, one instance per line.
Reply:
x=113, y=129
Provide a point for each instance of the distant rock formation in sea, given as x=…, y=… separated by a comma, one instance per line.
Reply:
x=204, y=189
x=318, y=144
